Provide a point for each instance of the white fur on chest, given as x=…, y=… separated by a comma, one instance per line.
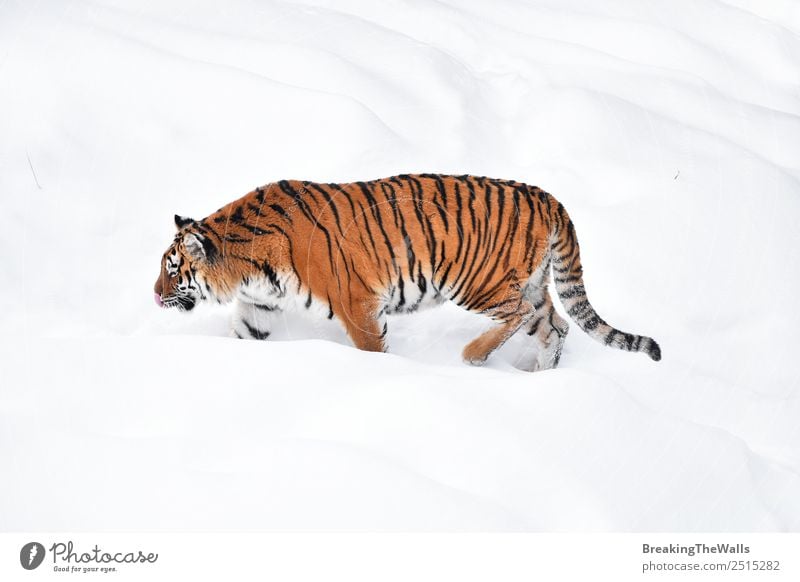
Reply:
x=282, y=297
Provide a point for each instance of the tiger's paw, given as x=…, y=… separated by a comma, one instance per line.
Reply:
x=475, y=361
x=474, y=357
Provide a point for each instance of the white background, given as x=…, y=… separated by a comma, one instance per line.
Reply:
x=669, y=130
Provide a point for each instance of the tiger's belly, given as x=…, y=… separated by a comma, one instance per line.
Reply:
x=403, y=296
x=408, y=296
x=282, y=297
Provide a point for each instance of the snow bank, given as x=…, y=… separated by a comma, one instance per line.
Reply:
x=669, y=131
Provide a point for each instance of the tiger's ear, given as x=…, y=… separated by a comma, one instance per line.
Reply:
x=181, y=221
x=194, y=245
x=199, y=247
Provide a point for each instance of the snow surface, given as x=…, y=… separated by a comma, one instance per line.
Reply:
x=670, y=131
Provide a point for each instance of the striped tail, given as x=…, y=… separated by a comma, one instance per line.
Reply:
x=568, y=275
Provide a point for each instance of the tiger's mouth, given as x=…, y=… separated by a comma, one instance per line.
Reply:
x=182, y=302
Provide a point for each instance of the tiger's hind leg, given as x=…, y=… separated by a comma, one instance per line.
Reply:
x=547, y=328
x=512, y=312
x=252, y=320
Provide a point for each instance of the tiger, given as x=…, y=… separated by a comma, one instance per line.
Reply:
x=357, y=252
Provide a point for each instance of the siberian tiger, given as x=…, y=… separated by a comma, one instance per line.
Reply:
x=362, y=250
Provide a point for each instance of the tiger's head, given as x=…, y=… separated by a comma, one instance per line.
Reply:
x=184, y=278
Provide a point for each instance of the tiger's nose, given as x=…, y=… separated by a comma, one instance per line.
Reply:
x=157, y=297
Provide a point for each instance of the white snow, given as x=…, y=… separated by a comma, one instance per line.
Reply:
x=669, y=130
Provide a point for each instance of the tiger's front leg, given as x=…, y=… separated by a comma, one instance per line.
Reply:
x=364, y=318
x=252, y=320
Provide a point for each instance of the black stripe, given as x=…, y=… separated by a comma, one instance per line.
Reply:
x=459, y=212
x=469, y=271
x=440, y=188
x=255, y=332
x=305, y=209
x=400, y=286
x=280, y=210
x=237, y=215
x=377, y=214
x=271, y=275
x=254, y=229
x=422, y=218
x=330, y=202
x=330, y=308
x=574, y=291
x=580, y=309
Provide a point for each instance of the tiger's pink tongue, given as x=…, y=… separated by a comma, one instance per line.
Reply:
x=157, y=297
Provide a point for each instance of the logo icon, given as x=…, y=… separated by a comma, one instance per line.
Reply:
x=31, y=555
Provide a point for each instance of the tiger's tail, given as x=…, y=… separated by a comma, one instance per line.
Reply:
x=568, y=276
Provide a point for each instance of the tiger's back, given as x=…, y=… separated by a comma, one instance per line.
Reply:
x=364, y=249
